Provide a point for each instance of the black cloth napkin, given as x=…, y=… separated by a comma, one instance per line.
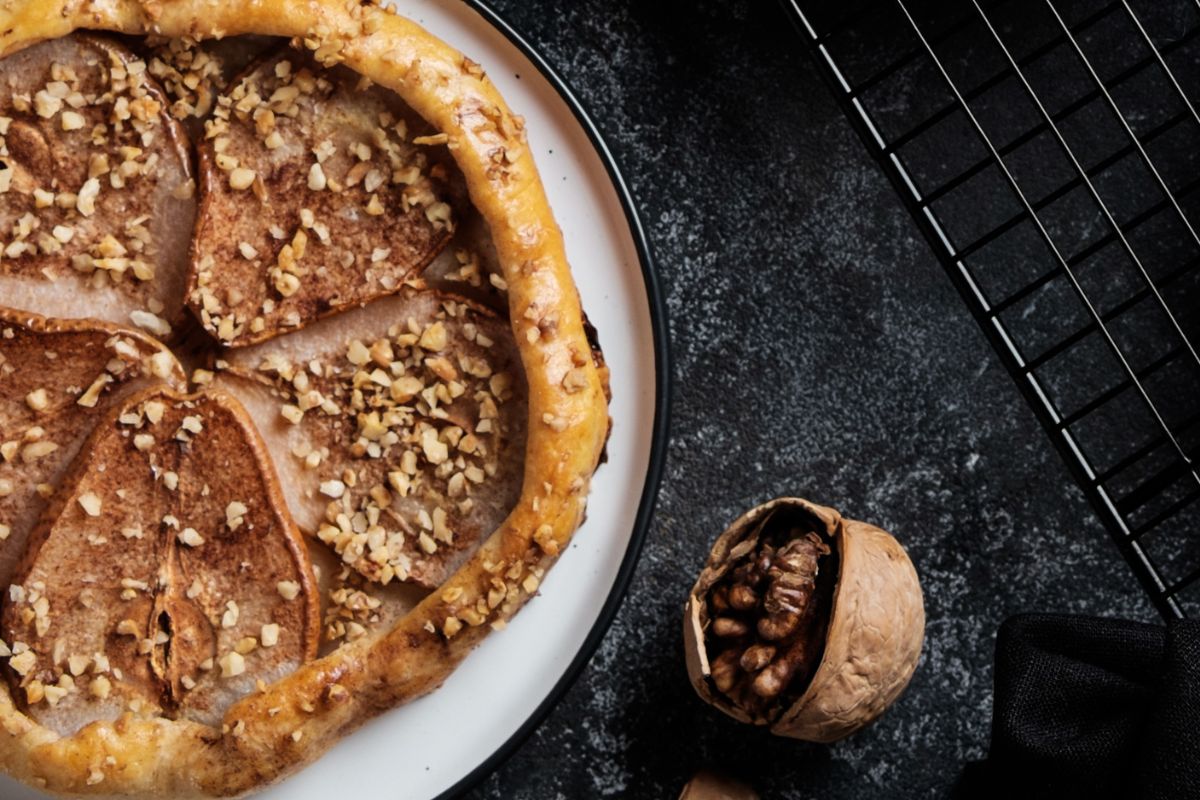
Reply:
x=1092, y=708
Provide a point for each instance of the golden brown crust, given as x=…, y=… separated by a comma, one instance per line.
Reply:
x=568, y=423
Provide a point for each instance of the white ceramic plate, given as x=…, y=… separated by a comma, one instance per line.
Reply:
x=443, y=743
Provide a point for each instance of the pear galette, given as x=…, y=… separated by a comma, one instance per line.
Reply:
x=296, y=399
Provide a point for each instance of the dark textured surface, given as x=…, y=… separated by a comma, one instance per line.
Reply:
x=819, y=350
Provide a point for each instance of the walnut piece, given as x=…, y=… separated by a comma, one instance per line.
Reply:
x=769, y=622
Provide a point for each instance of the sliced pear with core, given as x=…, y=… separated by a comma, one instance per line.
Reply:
x=318, y=193
x=97, y=199
x=167, y=578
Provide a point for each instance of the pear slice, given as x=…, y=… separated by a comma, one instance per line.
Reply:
x=167, y=578
x=398, y=430
x=96, y=193
x=318, y=194
x=57, y=379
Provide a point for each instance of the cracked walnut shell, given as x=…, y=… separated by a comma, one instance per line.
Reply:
x=804, y=621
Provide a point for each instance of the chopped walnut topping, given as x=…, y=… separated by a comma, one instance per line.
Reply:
x=37, y=400
x=72, y=120
x=232, y=664
x=357, y=353
x=191, y=76
x=154, y=411
x=334, y=489
x=316, y=178
x=36, y=450
x=158, y=327
x=23, y=663
x=85, y=201
x=92, y=395
x=100, y=687
x=235, y=514
x=189, y=537
x=291, y=413
x=544, y=537
x=269, y=635
x=575, y=380
x=241, y=178
x=351, y=608
x=54, y=694
x=435, y=139
x=78, y=664
x=434, y=337
x=230, y=617
x=90, y=503
x=35, y=692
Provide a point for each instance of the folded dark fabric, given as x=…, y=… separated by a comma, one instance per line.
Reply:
x=1092, y=708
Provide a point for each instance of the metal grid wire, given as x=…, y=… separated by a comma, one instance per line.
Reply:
x=1050, y=152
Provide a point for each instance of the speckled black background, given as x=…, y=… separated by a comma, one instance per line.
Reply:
x=818, y=350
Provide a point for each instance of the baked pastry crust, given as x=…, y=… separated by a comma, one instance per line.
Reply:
x=268, y=735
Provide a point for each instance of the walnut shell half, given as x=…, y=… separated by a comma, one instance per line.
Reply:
x=803, y=621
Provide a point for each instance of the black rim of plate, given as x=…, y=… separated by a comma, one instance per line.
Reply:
x=662, y=406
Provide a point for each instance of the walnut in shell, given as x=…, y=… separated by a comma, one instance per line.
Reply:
x=803, y=621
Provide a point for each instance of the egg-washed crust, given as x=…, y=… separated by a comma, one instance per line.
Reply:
x=268, y=735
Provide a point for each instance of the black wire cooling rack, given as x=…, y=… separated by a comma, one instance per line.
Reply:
x=1050, y=152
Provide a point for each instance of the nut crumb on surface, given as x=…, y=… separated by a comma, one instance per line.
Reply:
x=91, y=504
